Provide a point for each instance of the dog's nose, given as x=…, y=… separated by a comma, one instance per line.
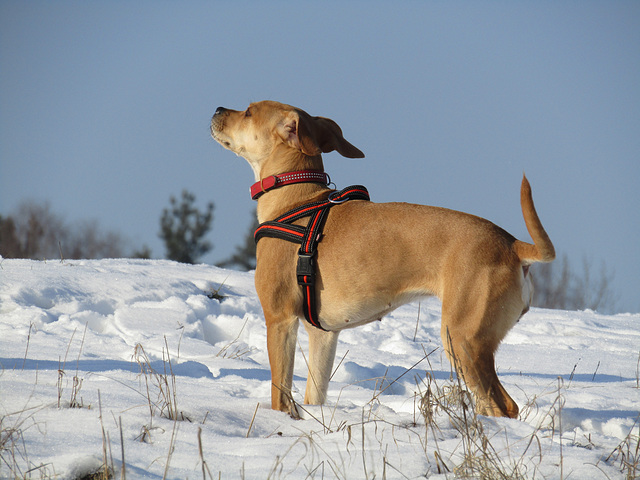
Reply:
x=220, y=110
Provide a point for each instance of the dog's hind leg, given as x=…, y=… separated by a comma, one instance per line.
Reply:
x=472, y=354
x=322, y=351
x=481, y=378
x=281, y=344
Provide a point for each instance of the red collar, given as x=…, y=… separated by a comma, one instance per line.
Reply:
x=277, y=181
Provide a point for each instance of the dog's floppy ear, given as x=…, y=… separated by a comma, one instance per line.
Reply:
x=315, y=135
x=328, y=137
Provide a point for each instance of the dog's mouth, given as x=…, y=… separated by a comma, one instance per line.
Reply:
x=217, y=127
x=220, y=139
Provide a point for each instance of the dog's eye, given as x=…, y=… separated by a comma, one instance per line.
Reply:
x=247, y=113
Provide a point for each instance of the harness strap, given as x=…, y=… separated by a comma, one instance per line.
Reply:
x=308, y=238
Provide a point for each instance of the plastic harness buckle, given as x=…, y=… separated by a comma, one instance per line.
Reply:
x=305, y=270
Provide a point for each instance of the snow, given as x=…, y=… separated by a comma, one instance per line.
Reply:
x=575, y=376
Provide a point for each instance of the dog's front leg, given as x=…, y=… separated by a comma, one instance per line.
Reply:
x=322, y=351
x=281, y=345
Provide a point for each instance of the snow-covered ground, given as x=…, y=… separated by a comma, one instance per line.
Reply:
x=82, y=332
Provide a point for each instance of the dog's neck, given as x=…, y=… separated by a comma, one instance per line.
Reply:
x=276, y=201
x=284, y=159
x=280, y=200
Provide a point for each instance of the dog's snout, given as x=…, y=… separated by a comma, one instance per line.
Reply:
x=217, y=121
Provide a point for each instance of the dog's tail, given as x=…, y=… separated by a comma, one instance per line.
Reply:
x=542, y=249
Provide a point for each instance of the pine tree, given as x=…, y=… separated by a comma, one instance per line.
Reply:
x=183, y=228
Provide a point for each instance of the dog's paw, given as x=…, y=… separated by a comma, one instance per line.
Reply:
x=293, y=412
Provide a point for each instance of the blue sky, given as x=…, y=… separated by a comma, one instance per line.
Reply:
x=105, y=108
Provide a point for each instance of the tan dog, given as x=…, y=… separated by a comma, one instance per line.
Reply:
x=375, y=257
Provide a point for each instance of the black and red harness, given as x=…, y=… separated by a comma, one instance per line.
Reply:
x=309, y=236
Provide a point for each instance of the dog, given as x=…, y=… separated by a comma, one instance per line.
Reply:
x=374, y=257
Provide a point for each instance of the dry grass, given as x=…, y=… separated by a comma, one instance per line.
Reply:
x=479, y=458
x=235, y=348
x=76, y=381
x=13, y=449
x=627, y=453
x=161, y=389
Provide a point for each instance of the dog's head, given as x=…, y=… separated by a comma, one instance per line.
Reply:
x=268, y=130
